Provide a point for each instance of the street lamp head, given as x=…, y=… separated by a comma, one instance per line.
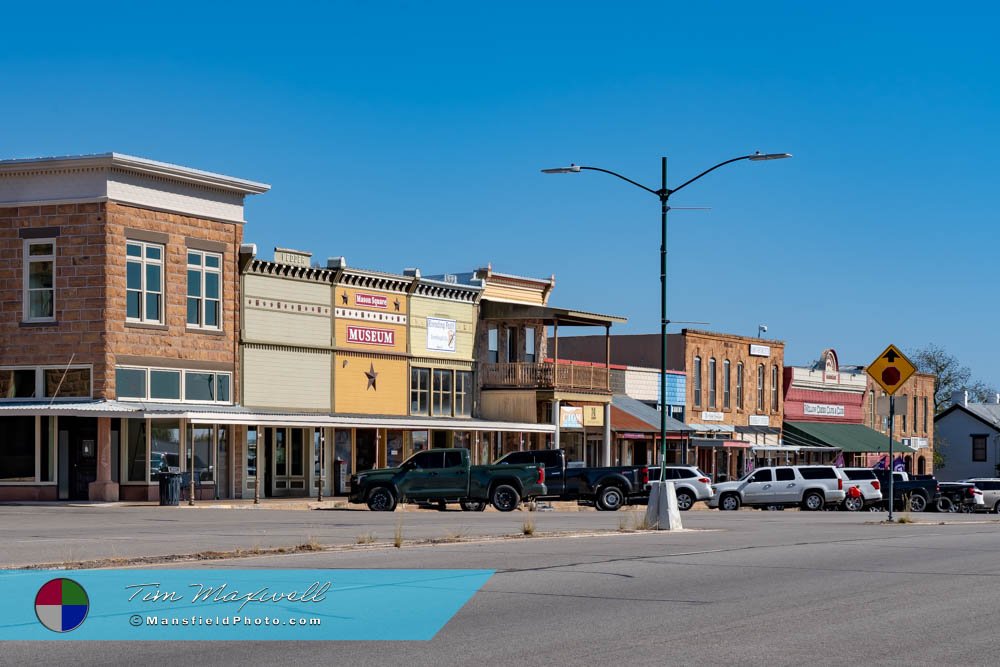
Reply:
x=572, y=169
x=758, y=156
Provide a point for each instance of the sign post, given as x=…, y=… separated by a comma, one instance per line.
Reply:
x=890, y=370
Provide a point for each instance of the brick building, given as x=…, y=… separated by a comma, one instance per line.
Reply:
x=734, y=396
x=118, y=324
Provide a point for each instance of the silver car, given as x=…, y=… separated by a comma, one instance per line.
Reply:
x=690, y=483
x=990, y=486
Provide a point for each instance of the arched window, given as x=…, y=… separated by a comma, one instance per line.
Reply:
x=725, y=384
x=712, y=388
x=739, y=386
x=921, y=466
x=696, y=380
x=774, y=388
x=871, y=408
x=760, y=388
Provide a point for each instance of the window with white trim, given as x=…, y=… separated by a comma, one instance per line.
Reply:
x=144, y=282
x=172, y=385
x=52, y=382
x=204, y=289
x=39, y=280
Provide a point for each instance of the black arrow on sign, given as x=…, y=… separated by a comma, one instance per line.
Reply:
x=891, y=356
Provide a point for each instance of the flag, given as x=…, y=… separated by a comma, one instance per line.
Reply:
x=898, y=465
x=839, y=461
x=881, y=463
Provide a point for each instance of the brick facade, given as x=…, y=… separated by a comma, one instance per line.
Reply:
x=919, y=425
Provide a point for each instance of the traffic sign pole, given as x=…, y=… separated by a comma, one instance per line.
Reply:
x=892, y=415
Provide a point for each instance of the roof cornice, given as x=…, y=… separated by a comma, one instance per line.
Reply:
x=129, y=163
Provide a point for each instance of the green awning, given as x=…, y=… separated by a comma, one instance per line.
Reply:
x=849, y=438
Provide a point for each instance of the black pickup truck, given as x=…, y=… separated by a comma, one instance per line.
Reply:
x=921, y=492
x=605, y=488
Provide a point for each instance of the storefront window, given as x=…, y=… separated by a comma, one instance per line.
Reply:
x=17, y=449
x=394, y=448
x=365, y=448
x=252, y=452
x=296, y=452
x=441, y=394
x=137, y=465
x=462, y=439
x=46, y=449
x=200, y=448
x=164, y=445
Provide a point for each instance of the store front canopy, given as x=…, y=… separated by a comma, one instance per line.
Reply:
x=236, y=414
x=849, y=438
x=628, y=414
x=499, y=310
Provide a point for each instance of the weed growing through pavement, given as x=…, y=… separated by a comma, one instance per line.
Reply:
x=365, y=538
x=528, y=527
x=639, y=521
x=397, y=538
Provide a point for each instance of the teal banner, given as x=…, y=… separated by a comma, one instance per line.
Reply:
x=226, y=605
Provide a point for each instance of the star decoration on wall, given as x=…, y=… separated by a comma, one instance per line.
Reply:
x=372, y=376
x=343, y=297
x=396, y=304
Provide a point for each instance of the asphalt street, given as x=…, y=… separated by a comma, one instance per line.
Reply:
x=748, y=588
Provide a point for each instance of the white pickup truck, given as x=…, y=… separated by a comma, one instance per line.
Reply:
x=809, y=487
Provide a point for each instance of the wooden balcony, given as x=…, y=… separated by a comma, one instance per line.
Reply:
x=525, y=375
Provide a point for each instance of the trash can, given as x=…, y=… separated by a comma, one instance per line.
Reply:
x=170, y=488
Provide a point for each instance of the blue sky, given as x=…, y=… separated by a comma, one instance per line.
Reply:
x=411, y=134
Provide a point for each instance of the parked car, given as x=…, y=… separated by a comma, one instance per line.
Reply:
x=690, y=483
x=868, y=485
x=959, y=497
x=920, y=492
x=990, y=486
x=446, y=476
x=607, y=488
x=810, y=487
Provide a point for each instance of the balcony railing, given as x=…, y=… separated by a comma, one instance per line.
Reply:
x=526, y=375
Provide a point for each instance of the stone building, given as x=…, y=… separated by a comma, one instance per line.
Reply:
x=119, y=325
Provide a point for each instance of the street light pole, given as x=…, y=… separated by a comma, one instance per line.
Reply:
x=663, y=193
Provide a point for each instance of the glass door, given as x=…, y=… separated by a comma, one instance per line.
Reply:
x=289, y=461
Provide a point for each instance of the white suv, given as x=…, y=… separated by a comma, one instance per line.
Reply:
x=690, y=483
x=810, y=487
x=867, y=483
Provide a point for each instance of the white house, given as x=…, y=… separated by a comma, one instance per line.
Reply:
x=967, y=435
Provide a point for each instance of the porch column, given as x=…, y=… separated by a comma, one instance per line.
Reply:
x=555, y=420
x=103, y=489
x=606, y=454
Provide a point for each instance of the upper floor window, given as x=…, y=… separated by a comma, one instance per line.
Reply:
x=512, y=344
x=913, y=424
x=164, y=384
x=760, y=387
x=463, y=394
x=529, y=345
x=420, y=389
x=53, y=382
x=871, y=407
x=204, y=289
x=979, y=448
x=903, y=425
x=39, y=280
x=712, y=389
x=144, y=282
x=697, y=382
x=739, y=386
x=492, y=345
x=925, y=415
x=725, y=384
x=441, y=393
x=774, y=388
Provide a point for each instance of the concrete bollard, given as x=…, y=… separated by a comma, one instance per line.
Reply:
x=662, y=512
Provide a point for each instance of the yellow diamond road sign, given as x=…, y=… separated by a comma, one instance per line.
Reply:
x=891, y=369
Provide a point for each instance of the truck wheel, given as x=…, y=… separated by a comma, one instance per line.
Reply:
x=610, y=499
x=813, y=501
x=684, y=500
x=917, y=503
x=473, y=505
x=996, y=508
x=729, y=502
x=505, y=498
x=381, y=499
x=945, y=505
x=852, y=504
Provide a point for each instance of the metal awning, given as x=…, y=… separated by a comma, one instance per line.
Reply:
x=237, y=414
x=501, y=310
x=776, y=448
x=712, y=428
x=849, y=438
x=759, y=430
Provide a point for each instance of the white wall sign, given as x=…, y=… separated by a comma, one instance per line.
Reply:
x=823, y=410
x=711, y=416
x=759, y=420
x=760, y=350
x=441, y=334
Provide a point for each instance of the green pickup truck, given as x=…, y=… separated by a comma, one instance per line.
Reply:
x=445, y=475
